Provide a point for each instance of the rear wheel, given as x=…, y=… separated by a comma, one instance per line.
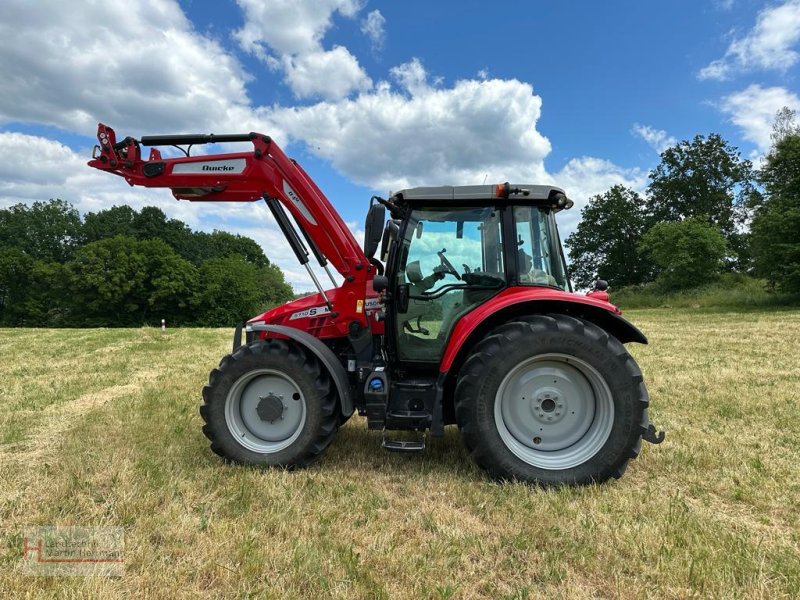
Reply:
x=552, y=400
x=269, y=403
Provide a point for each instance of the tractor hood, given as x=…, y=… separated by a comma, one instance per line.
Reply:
x=312, y=314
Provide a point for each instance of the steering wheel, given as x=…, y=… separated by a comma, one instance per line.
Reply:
x=448, y=266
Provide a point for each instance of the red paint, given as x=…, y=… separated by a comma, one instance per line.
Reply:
x=508, y=297
x=598, y=295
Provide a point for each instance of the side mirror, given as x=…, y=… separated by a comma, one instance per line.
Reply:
x=373, y=228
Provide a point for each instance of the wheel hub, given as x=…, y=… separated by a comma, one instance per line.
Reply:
x=270, y=407
x=548, y=406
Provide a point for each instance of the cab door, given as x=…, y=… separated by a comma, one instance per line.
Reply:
x=450, y=261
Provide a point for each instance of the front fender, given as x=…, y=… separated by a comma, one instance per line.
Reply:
x=322, y=352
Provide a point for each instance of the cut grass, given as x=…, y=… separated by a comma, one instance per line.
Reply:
x=100, y=427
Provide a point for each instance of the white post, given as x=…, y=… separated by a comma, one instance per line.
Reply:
x=163, y=325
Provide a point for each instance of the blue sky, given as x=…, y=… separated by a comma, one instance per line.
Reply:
x=372, y=96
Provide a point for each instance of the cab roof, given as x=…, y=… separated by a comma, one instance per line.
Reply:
x=482, y=192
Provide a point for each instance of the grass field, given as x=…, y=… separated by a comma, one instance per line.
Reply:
x=100, y=427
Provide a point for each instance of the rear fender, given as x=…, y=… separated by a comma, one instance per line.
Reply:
x=477, y=324
x=322, y=352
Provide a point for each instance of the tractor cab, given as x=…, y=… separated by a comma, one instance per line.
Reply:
x=450, y=249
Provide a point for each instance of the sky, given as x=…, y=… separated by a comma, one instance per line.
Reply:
x=373, y=96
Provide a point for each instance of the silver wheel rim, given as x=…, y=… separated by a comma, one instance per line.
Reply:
x=554, y=411
x=265, y=393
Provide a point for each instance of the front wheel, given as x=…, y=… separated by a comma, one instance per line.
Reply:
x=269, y=403
x=551, y=400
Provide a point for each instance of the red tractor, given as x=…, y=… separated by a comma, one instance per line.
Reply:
x=465, y=317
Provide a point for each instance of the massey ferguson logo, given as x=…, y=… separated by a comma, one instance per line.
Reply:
x=217, y=168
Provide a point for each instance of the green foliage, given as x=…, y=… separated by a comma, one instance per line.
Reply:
x=704, y=188
x=48, y=231
x=776, y=224
x=730, y=291
x=15, y=268
x=149, y=224
x=221, y=244
x=688, y=253
x=131, y=282
x=704, y=179
x=605, y=243
x=123, y=267
x=232, y=289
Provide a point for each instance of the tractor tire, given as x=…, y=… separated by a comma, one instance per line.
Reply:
x=551, y=400
x=270, y=403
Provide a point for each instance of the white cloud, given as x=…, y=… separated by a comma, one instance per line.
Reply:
x=769, y=45
x=429, y=136
x=588, y=176
x=290, y=26
x=658, y=139
x=333, y=74
x=753, y=111
x=411, y=76
x=373, y=27
x=72, y=64
x=287, y=34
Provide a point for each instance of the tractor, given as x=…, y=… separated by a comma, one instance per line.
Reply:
x=456, y=310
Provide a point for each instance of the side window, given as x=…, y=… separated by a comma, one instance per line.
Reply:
x=452, y=260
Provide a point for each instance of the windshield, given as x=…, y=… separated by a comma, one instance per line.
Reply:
x=539, y=259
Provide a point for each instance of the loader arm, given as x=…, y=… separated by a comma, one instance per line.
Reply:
x=264, y=172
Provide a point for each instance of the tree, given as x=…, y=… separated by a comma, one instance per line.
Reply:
x=704, y=179
x=117, y=220
x=48, y=231
x=775, y=230
x=122, y=267
x=15, y=269
x=122, y=281
x=232, y=289
x=689, y=253
x=784, y=125
x=221, y=244
x=605, y=243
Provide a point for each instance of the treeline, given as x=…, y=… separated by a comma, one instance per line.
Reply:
x=706, y=211
x=120, y=267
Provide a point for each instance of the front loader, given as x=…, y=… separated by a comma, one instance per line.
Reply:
x=465, y=316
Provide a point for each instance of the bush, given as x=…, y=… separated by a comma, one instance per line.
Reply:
x=688, y=253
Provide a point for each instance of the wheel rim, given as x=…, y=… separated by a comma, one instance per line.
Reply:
x=265, y=411
x=554, y=411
